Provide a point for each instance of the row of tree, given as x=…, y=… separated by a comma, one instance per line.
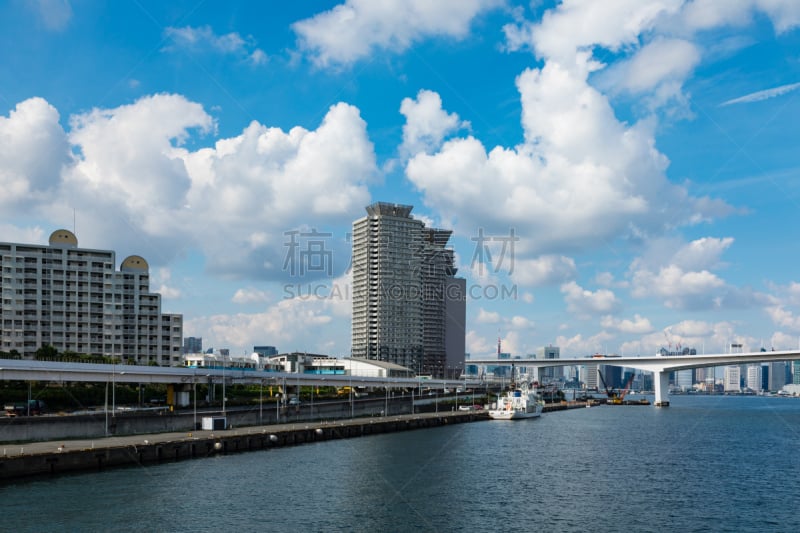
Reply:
x=49, y=353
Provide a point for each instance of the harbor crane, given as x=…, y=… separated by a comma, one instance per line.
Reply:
x=615, y=398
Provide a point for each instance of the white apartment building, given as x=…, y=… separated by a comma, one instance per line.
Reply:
x=75, y=300
x=754, y=377
x=731, y=381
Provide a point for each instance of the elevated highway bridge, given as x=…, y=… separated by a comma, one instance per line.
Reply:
x=659, y=365
x=28, y=370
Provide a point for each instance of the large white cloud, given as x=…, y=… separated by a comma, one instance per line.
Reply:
x=581, y=179
x=279, y=181
x=657, y=70
x=684, y=278
x=33, y=150
x=128, y=153
x=621, y=25
x=577, y=25
x=352, y=30
x=679, y=289
x=651, y=41
x=131, y=174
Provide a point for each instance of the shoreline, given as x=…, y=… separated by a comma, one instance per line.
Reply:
x=56, y=457
x=86, y=455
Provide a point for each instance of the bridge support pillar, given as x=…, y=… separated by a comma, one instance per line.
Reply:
x=661, y=378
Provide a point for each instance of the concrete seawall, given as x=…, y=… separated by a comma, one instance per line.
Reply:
x=93, y=454
x=53, y=458
x=98, y=424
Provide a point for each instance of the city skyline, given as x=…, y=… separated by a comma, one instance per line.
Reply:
x=618, y=177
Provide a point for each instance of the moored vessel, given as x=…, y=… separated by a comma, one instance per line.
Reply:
x=519, y=402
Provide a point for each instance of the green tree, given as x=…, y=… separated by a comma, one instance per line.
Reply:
x=46, y=353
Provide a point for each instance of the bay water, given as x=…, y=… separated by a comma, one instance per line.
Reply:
x=706, y=463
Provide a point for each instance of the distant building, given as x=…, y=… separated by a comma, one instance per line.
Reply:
x=408, y=307
x=306, y=363
x=74, y=299
x=265, y=351
x=193, y=345
x=732, y=379
x=455, y=310
x=777, y=376
x=754, y=377
x=551, y=373
x=590, y=378
x=684, y=379
x=612, y=376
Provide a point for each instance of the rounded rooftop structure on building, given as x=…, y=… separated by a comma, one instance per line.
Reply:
x=134, y=262
x=63, y=237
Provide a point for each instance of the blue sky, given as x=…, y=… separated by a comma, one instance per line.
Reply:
x=641, y=152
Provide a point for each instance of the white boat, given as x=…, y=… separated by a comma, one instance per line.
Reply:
x=519, y=402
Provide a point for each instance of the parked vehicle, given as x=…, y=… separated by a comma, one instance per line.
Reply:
x=32, y=407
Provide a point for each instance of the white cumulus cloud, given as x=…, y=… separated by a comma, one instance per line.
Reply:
x=580, y=179
x=350, y=31
x=127, y=171
x=426, y=123
x=487, y=317
x=203, y=38
x=250, y=295
x=33, y=151
x=549, y=269
x=584, y=302
x=638, y=324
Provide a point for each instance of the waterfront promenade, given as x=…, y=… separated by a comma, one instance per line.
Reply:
x=61, y=456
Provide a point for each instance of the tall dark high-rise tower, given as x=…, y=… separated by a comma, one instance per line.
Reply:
x=408, y=306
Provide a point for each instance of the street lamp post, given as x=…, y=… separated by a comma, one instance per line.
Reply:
x=261, y=403
x=105, y=408
x=113, y=389
x=223, y=385
x=277, y=404
x=194, y=391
